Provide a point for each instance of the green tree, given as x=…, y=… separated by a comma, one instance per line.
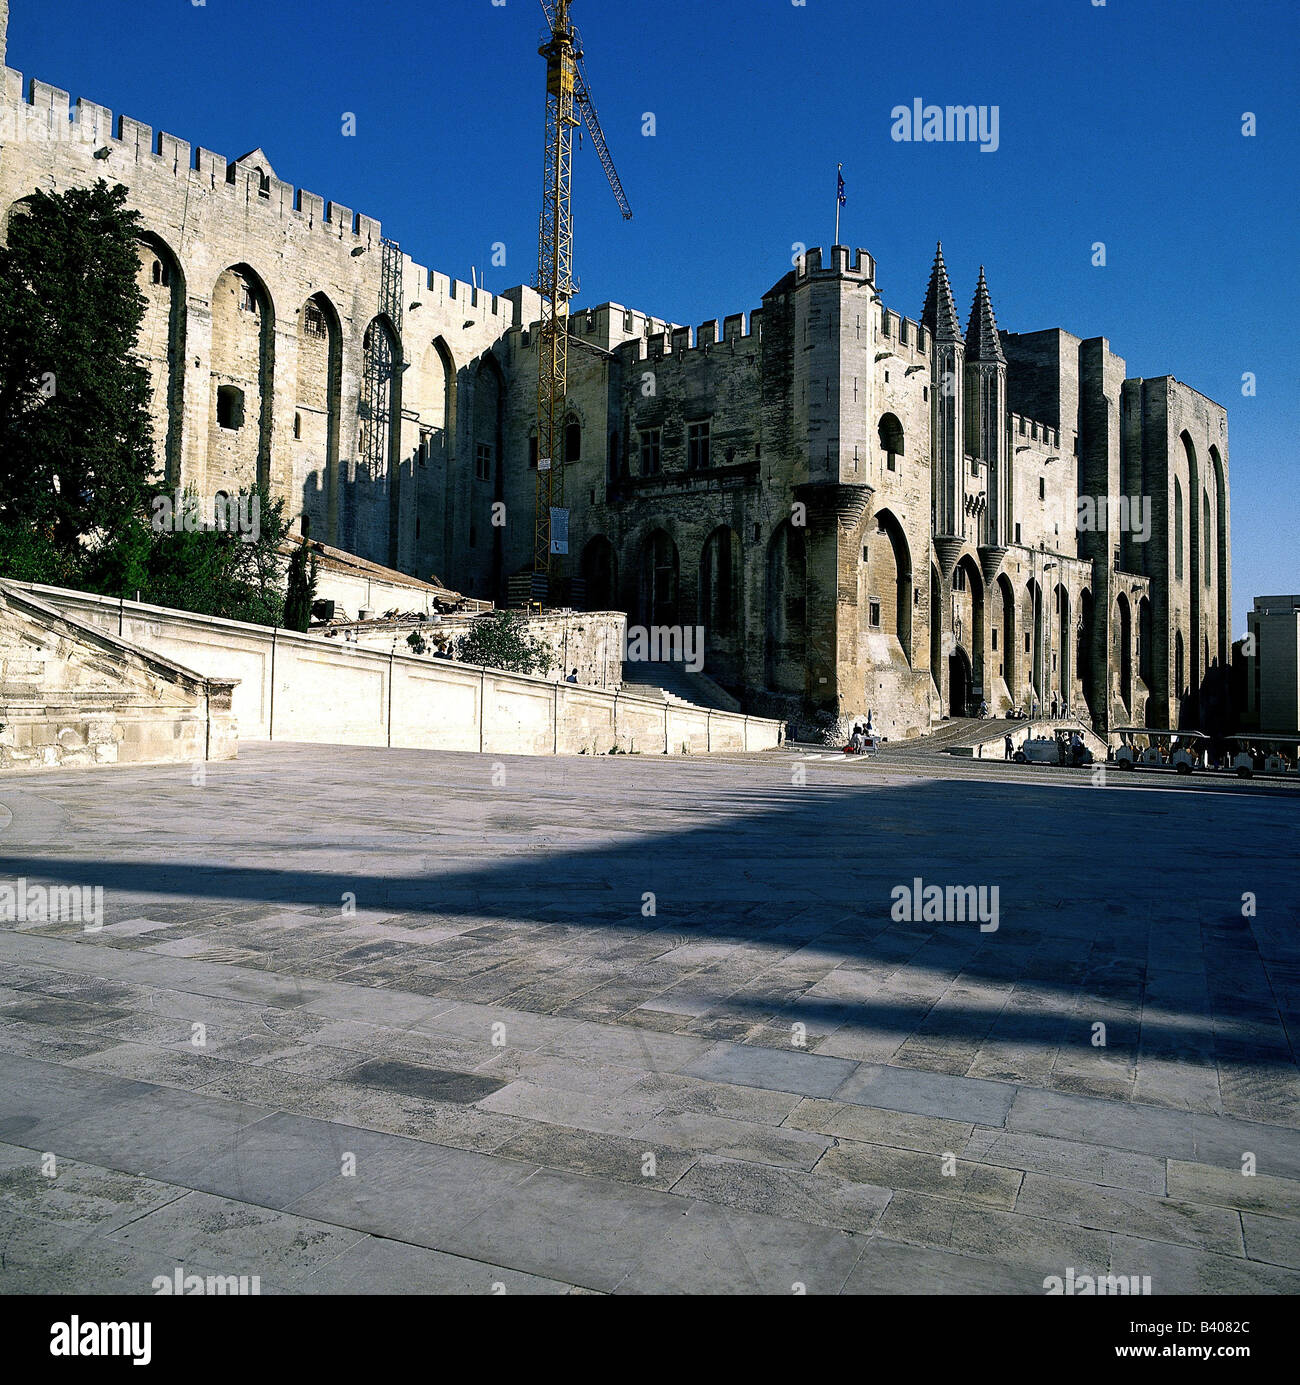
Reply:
x=301, y=589
x=219, y=571
x=76, y=446
x=501, y=640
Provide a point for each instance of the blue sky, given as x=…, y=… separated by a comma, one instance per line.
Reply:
x=1118, y=123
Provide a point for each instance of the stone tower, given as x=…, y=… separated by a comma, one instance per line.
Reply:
x=947, y=371
x=986, y=423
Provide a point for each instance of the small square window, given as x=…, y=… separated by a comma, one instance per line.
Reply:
x=230, y=407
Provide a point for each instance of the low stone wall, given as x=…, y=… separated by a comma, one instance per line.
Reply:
x=589, y=641
x=72, y=695
x=313, y=688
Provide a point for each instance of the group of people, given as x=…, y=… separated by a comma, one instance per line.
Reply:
x=861, y=738
x=1073, y=754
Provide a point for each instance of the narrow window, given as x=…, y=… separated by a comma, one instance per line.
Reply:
x=483, y=461
x=651, y=439
x=874, y=614
x=697, y=446
x=297, y=425
x=573, y=442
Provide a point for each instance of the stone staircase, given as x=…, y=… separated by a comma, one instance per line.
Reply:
x=671, y=680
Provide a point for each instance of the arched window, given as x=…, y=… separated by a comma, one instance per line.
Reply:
x=720, y=579
x=1207, y=548
x=573, y=441
x=890, y=432
x=1178, y=529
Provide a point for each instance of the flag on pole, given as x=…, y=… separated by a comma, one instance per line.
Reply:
x=843, y=201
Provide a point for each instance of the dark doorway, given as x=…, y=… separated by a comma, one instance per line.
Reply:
x=958, y=683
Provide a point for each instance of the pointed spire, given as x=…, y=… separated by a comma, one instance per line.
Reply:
x=982, y=343
x=939, y=316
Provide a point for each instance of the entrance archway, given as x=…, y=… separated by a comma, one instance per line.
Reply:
x=959, y=682
x=659, y=571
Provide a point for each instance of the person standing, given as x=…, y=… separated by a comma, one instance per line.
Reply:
x=1008, y=748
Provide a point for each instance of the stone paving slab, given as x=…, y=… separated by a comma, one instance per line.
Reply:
x=1155, y=1131
x=1139, y=1214
x=806, y=1074
x=1278, y=1197
x=927, y=1094
x=458, y=1086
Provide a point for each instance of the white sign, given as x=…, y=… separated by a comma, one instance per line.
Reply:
x=559, y=531
x=543, y=464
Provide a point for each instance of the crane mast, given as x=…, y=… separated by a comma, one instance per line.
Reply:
x=555, y=283
x=568, y=99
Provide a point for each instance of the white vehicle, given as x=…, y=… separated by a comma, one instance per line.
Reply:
x=1183, y=751
x=1251, y=755
x=1054, y=749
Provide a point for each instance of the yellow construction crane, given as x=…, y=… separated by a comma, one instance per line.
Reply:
x=568, y=99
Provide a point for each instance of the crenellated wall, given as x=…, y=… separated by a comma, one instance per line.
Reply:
x=846, y=538
x=240, y=253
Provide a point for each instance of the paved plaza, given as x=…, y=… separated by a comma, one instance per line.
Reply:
x=360, y=1020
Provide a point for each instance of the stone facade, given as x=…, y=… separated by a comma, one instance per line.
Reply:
x=860, y=511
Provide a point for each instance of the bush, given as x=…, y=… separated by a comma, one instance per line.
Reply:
x=502, y=640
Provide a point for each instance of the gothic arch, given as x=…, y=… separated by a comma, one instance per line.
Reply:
x=242, y=380
x=488, y=460
x=787, y=610
x=1224, y=624
x=659, y=594
x=1008, y=653
x=968, y=620
x=1065, y=678
x=889, y=578
x=1124, y=661
x=600, y=574
x=161, y=345
x=317, y=408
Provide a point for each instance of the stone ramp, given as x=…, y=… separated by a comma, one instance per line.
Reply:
x=72, y=695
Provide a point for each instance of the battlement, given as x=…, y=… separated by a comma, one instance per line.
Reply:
x=904, y=332
x=1032, y=431
x=812, y=264
x=44, y=114
x=677, y=343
